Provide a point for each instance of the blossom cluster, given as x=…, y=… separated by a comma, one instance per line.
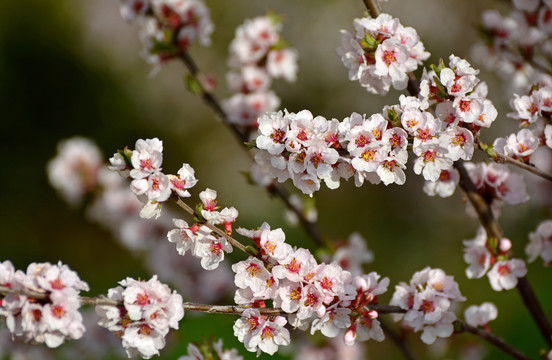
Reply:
x=143, y=165
x=481, y=315
x=168, y=27
x=142, y=320
x=482, y=253
x=322, y=296
x=534, y=114
x=199, y=239
x=428, y=300
x=309, y=149
x=517, y=44
x=381, y=52
x=257, y=55
x=203, y=352
x=74, y=172
x=497, y=184
x=51, y=320
x=540, y=243
x=115, y=207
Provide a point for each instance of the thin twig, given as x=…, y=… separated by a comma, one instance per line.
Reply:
x=220, y=232
x=102, y=300
x=308, y=225
x=212, y=101
x=491, y=338
x=490, y=224
x=211, y=309
x=386, y=309
x=398, y=341
x=500, y=158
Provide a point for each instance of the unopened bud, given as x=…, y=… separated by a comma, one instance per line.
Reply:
x=505, y=245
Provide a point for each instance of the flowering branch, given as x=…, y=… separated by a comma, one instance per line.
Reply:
x=206, y=308
x=210, y=98
x=497, y=341
x=231, y=240
x=490, y=224
x=500, y=158
x=214, y=103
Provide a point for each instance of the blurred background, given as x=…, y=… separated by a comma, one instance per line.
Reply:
x=72, y=67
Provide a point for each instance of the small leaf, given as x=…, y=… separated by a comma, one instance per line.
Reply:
x=162, y=47
x=193, y=84
x=126, y=154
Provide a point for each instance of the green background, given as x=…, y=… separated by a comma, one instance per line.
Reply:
x=72, y=67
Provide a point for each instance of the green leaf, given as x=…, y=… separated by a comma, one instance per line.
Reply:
x=369, y=43
x=126, y=154
x=251, y=249
x=193, y=84
x=393, y=117
x=163, y=47
x=280, y=44
x=440, y=87
x=275, y=19
x=199, y=217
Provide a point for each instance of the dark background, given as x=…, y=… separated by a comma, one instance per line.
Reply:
x=72, y=68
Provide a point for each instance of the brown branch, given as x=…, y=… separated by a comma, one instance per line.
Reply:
x=211, y=309
x=212, y=101
x=532, y=303
x=373, y=7
x=493, y=230
x=102, y=300
x=386, y=309
x=500, y=158
x=210, y=98
x=308, y=225
x=497, y=341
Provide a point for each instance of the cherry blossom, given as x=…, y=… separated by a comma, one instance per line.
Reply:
x=50, y=321
x=481, y=315
x=143, y=320
x=540, y=243
x=504, y=274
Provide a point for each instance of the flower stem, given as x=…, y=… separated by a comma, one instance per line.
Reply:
x=499, y=158
x=220, y=232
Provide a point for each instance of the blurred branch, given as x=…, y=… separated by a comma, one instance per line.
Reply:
x=399, y=341
x=461, y=326
x=490, y=224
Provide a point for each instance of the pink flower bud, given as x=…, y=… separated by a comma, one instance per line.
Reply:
x=505, y=245
x=350, y=336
